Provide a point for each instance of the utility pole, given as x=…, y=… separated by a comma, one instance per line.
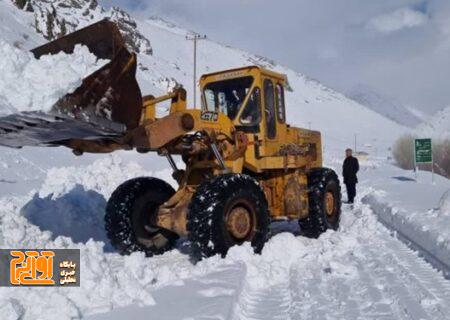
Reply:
x=195, y=37
x=415, y=162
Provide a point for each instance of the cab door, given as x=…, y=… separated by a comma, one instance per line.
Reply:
x=268, y=137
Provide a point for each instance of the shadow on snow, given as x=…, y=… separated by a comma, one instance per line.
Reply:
x=78, y=214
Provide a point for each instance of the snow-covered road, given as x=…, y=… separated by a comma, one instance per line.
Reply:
x=360, y=272
x=414, y=208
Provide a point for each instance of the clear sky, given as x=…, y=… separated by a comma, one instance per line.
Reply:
x=400, y=48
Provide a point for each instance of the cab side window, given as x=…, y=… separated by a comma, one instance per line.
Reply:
x=252, y=112
x=269, y=109
x=281, y=111
x=210, y=101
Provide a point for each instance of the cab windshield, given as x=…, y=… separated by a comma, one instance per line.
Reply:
x=227, y=96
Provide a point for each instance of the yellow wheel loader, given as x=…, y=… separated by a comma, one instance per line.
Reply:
x=244, y=165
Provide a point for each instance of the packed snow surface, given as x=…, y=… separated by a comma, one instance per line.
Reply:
x=415, y=207
x=30, y=84
x=359, y=272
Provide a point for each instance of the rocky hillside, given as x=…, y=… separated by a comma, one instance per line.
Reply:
x=309, y=103
x=167, y=63
x=55, y=18
x=386, y=106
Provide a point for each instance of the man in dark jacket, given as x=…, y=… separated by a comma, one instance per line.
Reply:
x=349, y=170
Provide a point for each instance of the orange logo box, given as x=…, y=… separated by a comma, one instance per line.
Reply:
x=32, y=268
x=58, y=267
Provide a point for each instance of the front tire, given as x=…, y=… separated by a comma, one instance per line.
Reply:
x=130, y=214
x=226, y=211
x=324, y=193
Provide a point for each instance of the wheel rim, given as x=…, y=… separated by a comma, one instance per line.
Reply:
x=329, y=203
x=240, y=222
x=145, y=232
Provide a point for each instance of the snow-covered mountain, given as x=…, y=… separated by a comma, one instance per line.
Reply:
x=165, y=59
x=438, y=125
x=309, y=103
x=55, y=18
x=386, y=106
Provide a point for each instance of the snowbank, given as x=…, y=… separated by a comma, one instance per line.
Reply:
x=417, y=210
x=102, y=176
x=424, y=232
x=29, y=84
x=68, y=212
x=72, y=200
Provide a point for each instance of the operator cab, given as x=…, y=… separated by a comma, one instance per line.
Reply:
x=230, y=96
x=242, y=94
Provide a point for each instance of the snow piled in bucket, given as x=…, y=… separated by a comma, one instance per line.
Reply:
x=30, y=84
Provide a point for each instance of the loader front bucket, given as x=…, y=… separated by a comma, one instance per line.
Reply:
x=106, y=105
x=103, y=39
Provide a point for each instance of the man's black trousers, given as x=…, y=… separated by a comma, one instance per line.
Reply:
x=351, y=191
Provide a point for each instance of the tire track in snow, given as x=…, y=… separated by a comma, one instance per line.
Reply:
x=272, y=303
x=390, y=282
x=324, y=295
x=430, y=291
x=416, y=290
x=404, y=302
x=435, y=256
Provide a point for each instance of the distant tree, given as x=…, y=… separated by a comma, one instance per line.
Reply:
x=403, y=152
x=50, y=23
x=441, y=157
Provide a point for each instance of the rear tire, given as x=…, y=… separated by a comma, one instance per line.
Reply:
x=324, y=193
x=229, y=210
x=130, y=213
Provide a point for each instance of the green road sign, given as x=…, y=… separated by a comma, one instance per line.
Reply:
x=423, y=150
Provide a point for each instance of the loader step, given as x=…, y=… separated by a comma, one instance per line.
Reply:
x=37, y=128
